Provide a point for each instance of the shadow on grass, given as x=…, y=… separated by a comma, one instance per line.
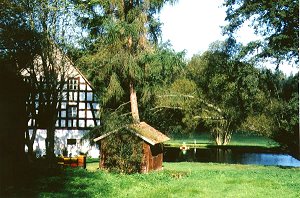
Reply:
x=42, y=181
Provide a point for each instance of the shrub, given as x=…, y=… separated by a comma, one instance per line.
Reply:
x=123, y=152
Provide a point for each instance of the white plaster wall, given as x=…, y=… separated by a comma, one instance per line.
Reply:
x=61, y=137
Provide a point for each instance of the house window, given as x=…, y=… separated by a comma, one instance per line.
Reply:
x=73, y=84
x=71, y=141
x=72, y=96
x=72, y=111
x=73, y=87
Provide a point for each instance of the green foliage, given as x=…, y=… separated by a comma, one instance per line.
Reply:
x=278, y=113
x=276, y=21
x=18, y=42
x=226, y=95
x=227, y=90
x=112, y=120
x=286, y=115
x=259, y=124
x=134, y=15
x=177, y=102
x=124, y=52
x=123, y=152
x=160, y=67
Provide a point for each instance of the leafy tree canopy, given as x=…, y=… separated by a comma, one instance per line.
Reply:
x=276, y=21
x=18, y=42
x=216, y=90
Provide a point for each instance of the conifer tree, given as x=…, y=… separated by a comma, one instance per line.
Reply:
x=124, y=33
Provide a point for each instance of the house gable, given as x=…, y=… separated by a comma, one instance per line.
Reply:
x=79, y=106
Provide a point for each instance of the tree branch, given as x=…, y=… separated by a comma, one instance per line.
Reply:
x=122, y=105
x=167, y=107
x=208, y=118
x=191, y=96
x=174, y=95
x=211, y=106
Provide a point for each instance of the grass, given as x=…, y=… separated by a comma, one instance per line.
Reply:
x=205, y=140
x=184, y=179
x=176, y=180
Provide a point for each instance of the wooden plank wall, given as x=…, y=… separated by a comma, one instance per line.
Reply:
x=153, y=157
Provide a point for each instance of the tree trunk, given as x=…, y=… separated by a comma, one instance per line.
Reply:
x=29, y=142
x=218, y=139
x=134, y=104
x=222, y=137
x=222, y=133
x=50, y=146
x=50, y=140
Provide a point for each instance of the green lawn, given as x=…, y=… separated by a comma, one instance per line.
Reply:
x=176, y=180
x=184, y=179
x=205, y=140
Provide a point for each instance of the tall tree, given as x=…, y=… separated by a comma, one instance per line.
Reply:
x=276, y=21
x=50, y=70
x=32, y=37
x=125, y=32
x=217, y=90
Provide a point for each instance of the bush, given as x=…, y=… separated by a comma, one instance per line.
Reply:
x=123, y=152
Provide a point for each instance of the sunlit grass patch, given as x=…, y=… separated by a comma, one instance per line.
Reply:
x=184, y=179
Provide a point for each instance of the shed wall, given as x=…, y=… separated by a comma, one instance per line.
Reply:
x=152, y=157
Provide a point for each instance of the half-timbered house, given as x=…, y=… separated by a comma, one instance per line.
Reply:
x=78, y=112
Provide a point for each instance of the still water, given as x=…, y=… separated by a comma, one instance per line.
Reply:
x=230, y=156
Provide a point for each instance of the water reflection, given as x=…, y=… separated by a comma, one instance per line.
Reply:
x=270, y=159
x=230, y=156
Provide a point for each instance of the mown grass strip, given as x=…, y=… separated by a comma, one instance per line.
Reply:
x=176, y=180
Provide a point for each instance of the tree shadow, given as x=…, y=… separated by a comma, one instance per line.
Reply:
x=42, y=181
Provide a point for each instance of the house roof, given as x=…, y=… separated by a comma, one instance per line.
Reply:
x=144, y=131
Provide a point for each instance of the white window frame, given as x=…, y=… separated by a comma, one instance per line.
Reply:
x=73, y=84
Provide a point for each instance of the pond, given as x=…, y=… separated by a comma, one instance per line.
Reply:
x=230, y=156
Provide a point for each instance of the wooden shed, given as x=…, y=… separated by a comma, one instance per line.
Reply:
x=150, y=140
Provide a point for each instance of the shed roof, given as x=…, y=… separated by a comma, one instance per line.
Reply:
x=144, y=131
